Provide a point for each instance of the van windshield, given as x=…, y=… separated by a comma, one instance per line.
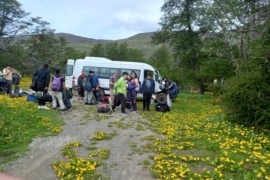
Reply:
x=158, y=78
x=69, y=71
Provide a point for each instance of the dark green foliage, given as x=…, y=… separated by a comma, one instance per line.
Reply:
x=119, y=52
x=246, y=98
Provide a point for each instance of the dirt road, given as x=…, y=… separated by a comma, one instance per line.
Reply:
x=81, y=122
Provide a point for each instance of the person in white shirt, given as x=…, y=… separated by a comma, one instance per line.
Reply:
x=7, y=72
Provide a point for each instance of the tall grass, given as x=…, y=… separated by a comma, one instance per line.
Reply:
x=20, y=122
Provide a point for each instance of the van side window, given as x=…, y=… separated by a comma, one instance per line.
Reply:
x=138, y=72
x=146, y=72
x=69, y=71
x=86, y=70
x=112, y=70
x=104, y=73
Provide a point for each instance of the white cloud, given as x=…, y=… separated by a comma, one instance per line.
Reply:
x=104, y=19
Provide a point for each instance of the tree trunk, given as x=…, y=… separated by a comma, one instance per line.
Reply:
x=200, y=87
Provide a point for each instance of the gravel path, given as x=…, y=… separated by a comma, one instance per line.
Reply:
x=81, y=122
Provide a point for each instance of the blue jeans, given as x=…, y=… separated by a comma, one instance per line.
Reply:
x=133, y=101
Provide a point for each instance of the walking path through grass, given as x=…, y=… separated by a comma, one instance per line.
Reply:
x=109, y=143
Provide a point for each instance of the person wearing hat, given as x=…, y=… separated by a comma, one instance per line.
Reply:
x=80, y=86
x=112, y=82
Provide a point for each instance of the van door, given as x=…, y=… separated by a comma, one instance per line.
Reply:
x=158, y=80
x=69, y=73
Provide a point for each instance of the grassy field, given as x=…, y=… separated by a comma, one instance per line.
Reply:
x=199, y=143
x=193, y=141
x=20, y=122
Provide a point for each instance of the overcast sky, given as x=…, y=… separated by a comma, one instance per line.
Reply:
x=99, y=19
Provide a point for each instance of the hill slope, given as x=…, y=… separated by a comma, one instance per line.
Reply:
x=74, y=39
x=140, y=41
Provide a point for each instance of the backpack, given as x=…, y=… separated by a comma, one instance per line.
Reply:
x=56, y=84
x=162, y=107
x=104, y=108
x=148, y=85
x=104, y=99
x=88, y=84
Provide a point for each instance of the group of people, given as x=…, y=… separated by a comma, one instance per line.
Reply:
x=122, y=90
x=9, y=77
x=127, y=87
x=88, y=87
x=41, y=82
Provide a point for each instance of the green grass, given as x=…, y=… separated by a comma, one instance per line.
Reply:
x=196, y=142
x=20, y=122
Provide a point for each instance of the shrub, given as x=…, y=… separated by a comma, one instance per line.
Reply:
x=246, y=98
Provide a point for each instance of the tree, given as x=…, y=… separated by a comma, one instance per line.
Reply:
x=111, y=50
x=98, y=50
x=123, y=51
x=135, y=55
x=178, y=30
x=13, y=21
x=238, y=23
x=162, y=59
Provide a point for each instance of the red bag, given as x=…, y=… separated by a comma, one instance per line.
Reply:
x=104, y=99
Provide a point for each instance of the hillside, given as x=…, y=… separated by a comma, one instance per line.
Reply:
x=140, y=41
x=74, y=39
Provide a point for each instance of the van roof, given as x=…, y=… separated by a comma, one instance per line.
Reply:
x=107, y=62
x=97, y=58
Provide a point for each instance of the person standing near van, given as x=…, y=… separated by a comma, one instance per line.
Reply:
x=147, y=89
x=168, y=84
x=91, y=86
x=95, y=81
x=121, y=90
x=81, y=86
x=133, y=91
x=58, y=85
x=112, y=82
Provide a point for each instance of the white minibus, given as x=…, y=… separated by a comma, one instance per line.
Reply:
x=104, y=69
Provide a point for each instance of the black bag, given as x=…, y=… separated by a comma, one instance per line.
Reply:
x=33, y=85
x=66, y=98
x=162, y=107
x=104, y=108
x=23, y=94
x=174, y=91
x=128, y=105
x=46, y=98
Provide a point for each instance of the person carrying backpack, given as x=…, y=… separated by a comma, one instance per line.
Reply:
x=58, y=85
x=147, y=89
x=91, y=84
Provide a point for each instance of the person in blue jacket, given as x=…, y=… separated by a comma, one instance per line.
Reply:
x=147, y=89
x=95, y=82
